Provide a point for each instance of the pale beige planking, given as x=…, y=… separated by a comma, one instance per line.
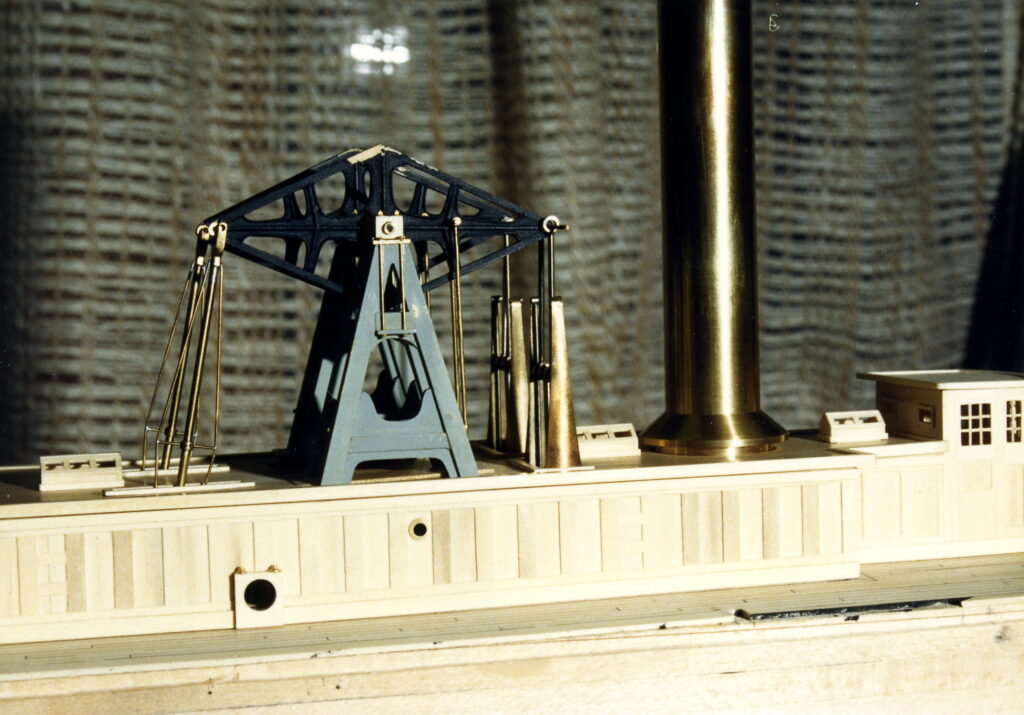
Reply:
x=496, y=542
x=414, y=553
x=662, y=526
x=454, y=545
x=232, y=546
x=579, y=520
x=621, y=534
x=410, y=554
x=366, y=552
x=537, y=531
x=276, y=543
x=186, y=566
x=322, y=555
x=742, y=510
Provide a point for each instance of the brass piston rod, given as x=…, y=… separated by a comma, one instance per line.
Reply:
x=552, y=441
x=192, y=411
x=205, y=296
x=195, y=282
x=711, y=334
x=458, y=346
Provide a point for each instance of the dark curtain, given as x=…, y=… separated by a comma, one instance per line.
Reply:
x=882, y=134
x=997, y=323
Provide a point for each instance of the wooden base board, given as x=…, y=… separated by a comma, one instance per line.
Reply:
x=679, y=652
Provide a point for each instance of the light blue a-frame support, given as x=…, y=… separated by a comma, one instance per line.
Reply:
x=415, y=375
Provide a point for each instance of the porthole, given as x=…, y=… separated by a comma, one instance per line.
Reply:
x=260, y=594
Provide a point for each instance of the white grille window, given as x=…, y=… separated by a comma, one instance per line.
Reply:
x=976, y=424
x=1013, y=421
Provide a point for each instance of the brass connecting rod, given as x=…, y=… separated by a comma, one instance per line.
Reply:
x=162, y=429
x=426, y=273
x=196, y=277
x=217, y=236
x=458, y=348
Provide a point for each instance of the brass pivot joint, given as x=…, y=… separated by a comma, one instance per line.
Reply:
x=214, y=235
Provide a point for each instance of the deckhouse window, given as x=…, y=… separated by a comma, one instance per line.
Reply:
x=1013, y=421
x=976, y=424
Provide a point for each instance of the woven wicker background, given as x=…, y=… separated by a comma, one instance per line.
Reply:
x=882, y=134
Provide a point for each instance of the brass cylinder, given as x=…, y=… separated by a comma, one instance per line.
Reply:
x=712, y=376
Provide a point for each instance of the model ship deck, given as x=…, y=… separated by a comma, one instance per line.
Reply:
x=79, y=564
x=276, y=481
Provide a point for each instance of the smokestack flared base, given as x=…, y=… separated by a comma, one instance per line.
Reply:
x=726, y=435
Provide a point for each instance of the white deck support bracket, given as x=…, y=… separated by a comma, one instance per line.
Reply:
x=607, y=441
x=851, y=427
x=67, y=472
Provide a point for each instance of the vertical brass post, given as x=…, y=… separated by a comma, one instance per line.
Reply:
x=497, y=428
x=502, y=399
x=552, y=441
x=458, y=348
x=381, y=287
x=711, y=331
x=401, y=284
x=426, y=272
x=518, y=404
x=561, y=446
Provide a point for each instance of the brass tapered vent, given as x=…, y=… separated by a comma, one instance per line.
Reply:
x=712, y=380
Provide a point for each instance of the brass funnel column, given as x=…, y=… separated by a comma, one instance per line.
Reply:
x=712, y=379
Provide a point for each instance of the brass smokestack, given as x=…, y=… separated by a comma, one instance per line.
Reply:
x=712, y=380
